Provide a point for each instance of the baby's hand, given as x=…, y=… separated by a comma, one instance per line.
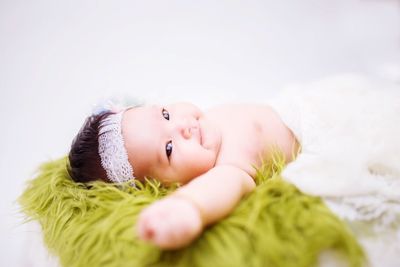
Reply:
x=170, y=223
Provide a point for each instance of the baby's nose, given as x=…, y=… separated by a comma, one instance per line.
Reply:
x=187, y=132
x=186, y=128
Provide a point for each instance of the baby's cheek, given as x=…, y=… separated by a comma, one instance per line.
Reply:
x=191, y=161
x=204, y=160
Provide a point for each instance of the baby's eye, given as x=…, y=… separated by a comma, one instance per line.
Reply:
x=165, y=114
x=168, y=149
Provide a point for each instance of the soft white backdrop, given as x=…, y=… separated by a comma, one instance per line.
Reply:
x=58, y=58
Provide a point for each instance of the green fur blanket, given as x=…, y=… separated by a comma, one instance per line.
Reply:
x=93, y=225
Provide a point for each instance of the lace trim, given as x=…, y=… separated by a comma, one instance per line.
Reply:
x=113, y=155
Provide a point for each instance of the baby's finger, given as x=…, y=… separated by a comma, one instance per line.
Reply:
x=145, y=227
x=164, y=233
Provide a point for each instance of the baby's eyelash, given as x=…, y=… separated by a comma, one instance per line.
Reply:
x=165, y=114
x=168, y=149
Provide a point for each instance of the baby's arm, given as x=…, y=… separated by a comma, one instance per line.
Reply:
x=178, y=219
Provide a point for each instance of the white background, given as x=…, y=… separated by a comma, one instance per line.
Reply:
x=58, y=58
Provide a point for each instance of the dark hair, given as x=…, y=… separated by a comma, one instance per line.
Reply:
x=84, y=160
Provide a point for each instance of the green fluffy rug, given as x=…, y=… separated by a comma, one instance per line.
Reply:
x=93, y=225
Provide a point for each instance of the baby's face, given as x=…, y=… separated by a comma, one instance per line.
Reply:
x=173, y=143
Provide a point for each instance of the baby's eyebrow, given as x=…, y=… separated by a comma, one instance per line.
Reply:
x=157, y=113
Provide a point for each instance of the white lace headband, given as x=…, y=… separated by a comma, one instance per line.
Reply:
x=113, y=155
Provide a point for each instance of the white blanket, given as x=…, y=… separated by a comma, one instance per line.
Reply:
x=349, y=130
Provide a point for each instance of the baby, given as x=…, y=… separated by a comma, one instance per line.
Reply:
x=212, y=154
x=350, y=156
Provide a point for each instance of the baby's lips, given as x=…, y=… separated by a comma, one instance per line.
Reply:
x=199, y=133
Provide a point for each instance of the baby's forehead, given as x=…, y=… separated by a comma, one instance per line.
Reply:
x=139, y=119
x=141, y=138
